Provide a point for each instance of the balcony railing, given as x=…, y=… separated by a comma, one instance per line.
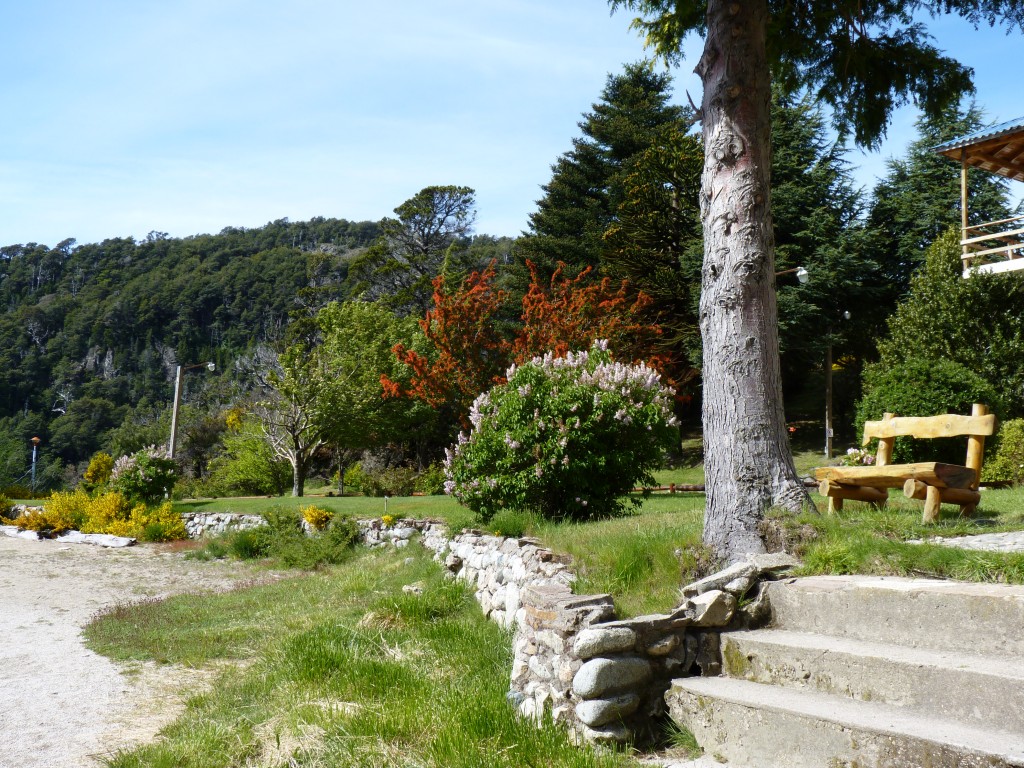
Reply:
x=996, y=246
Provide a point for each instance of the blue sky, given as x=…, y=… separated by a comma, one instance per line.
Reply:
x=187, y=116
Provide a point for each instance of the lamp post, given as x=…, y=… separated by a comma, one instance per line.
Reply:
x=828, y=390
x=35, y=447
x=179, y=373
x=801, y=274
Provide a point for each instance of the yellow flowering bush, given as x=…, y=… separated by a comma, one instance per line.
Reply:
x=108, y=513
x=317, y=517
x=100, y=467
x=67, y=510
x=388, y=520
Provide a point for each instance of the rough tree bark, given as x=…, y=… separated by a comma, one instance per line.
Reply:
x=748, y=464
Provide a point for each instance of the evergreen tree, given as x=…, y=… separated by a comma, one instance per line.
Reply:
x=586, y=184
x=919, y=198
x=654, y=242
x=817, y=218
x=862, y=59
x=429, y=237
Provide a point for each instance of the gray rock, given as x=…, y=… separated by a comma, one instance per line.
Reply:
x=596, y=641
x=598, y=712
x=720, y=579
x=606, y=677
x=99, y=539
x=775, y=562
x=739, y=587
x=713, y=609
x=552, y=640
x=664, y=646
x=413, y=589
x=610, y=734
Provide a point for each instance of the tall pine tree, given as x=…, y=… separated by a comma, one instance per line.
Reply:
x=586, y=184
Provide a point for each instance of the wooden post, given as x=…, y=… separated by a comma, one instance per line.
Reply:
x=915, y=489
x=932, y=502
x=867, y=493
x=976, y=445
x=975, y=456
x=964, y=223
x=885, y=444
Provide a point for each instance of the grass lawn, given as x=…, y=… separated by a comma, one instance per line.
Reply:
x=341, y=668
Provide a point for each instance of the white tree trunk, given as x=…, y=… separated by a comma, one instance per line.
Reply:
x=748, y=463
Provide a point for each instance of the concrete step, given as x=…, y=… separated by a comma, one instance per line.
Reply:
x=766, y=726
x=980, y=619
x=985, y=691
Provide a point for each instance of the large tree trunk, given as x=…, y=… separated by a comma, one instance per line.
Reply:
x=748, y=463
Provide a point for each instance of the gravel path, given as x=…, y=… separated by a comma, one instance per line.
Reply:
x=61, y=705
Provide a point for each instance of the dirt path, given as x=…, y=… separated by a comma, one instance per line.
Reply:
x=61, y=705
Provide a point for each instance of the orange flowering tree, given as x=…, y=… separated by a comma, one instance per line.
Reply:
x=468, y=352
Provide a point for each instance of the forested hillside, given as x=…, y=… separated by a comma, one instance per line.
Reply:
x=92, y=332
x=90, y=335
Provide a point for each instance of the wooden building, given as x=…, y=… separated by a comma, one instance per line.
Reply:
x=995, y=246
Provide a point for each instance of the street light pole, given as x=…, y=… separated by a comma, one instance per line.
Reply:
x=178, y=376
x=35, y=446
x=828, y=390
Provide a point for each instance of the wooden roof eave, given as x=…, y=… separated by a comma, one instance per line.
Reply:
x=1002, y=154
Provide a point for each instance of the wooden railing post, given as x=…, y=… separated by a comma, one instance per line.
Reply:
x=885, y=445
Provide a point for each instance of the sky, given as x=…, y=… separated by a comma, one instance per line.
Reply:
x=121, y=117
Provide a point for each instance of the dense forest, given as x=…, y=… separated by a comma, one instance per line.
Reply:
x=91, y=334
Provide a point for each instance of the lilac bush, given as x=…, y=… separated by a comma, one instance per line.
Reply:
x=566, y=437
x=146, y=476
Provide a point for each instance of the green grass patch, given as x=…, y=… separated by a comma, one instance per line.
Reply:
x=641, y=560
x=344, y=669
x=864, y=540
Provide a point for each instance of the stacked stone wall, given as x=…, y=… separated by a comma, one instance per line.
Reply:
x=199, y=524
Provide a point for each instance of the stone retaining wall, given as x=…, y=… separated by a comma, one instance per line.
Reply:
x=199, y=524
x=604, y=678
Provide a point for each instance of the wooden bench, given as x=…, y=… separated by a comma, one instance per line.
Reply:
x=934, y=482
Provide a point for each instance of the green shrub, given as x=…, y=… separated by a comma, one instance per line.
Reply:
x=923, y=387
x=284, y=540
x=5, y=506
x=1007, y=461
x=395, y=481
x=354, y=478
x=17, y=491
x=248, y=544
x=566, y=438
x=431, y=480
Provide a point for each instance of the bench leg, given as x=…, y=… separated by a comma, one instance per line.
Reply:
x=835, y=504
x=932, y=502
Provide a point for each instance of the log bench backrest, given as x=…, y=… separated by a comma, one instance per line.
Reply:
x=977, y=427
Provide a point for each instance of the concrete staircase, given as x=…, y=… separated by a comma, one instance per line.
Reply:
x=868, y=672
